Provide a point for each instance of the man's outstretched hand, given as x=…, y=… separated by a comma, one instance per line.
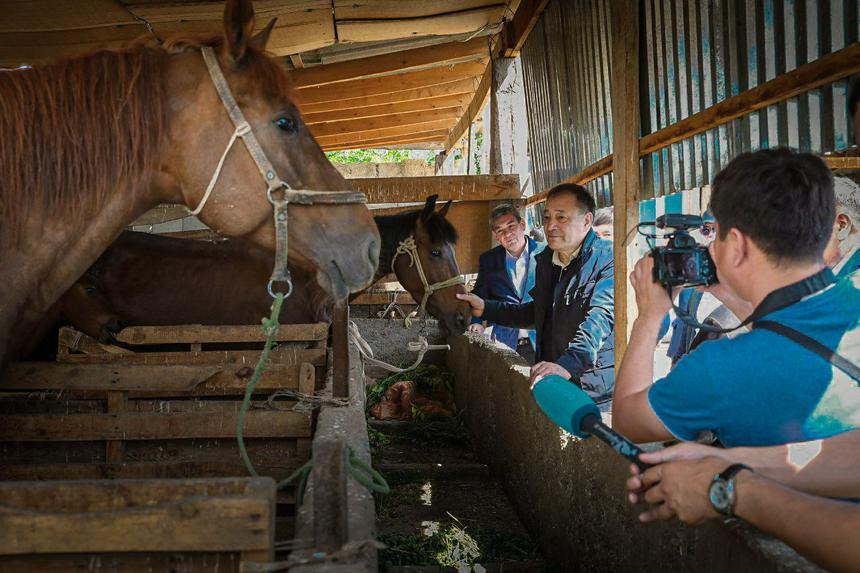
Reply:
x=542, y=369
x=476, y=302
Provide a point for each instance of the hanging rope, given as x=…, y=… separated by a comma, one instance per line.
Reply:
x=270, y=329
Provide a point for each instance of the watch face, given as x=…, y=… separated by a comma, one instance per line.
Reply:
x=719, y=494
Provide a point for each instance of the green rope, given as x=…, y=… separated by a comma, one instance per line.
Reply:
x=300, y=474
x=365, y=474
x=270, y=329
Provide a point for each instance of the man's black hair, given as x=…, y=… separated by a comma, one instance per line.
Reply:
x=583, y=197
x=783, y=200
x=854, y=97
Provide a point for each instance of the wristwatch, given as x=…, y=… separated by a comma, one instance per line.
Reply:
x=722, y=489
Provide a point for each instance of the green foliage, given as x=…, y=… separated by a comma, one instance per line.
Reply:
x=430, y=377
x=453, y=546
x=369, y=156
x=377, y=439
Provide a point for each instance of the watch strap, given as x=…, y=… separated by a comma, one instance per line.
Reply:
x=731, y=471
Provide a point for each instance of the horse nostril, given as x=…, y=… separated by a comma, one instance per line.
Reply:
x=462, y=321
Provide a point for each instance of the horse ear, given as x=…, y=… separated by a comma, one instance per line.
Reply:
x=259, y=41
x=445, y=207
x=238, y=25
x=429, y=206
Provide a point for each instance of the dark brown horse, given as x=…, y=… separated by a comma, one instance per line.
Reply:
x=89, y=144
x=146, y=279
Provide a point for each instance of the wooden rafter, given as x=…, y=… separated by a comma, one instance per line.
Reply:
x=389, y=63
x=392, y=83
x=372, y=124
x=448, y=188
x=382, y=134
x=472, y=112
x=523, y=22
x=425, y=104
x=428, y=137
x=377, y=29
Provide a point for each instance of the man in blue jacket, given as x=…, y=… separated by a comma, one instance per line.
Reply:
x=506, y=273
x=572, y=300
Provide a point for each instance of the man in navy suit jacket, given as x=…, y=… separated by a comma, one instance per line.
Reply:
x=506, y=273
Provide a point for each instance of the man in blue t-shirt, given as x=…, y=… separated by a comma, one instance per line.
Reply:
x=774, y=213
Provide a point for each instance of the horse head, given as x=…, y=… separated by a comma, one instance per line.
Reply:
x=434, y=240
x=340, y=240
x=86, y=306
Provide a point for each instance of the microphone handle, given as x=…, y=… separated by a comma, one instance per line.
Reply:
x=593, y=425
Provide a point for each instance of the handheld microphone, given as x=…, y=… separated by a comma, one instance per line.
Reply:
x=570, y=408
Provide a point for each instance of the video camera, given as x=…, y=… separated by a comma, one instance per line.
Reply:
x=682, y=262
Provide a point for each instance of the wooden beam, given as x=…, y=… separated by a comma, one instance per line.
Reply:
x=390, y=63
x=382, y=298
x=372, y=124
x=386, y=9
x=448, y=188
x=419, y=105
x=143, y=470
x=161, y=214
x=420, y=140
x=386, y=134
x=518, y=29
x=597, y=169
x=120, y=516
x=625, y=139
x=391, y=83
x=823, y=71
x=460, y=22
x=472, y=112
x=199, y=423
x=296, y=60
x=465, y=87
x=196, y=333
x=143, y=380
x=842, y=162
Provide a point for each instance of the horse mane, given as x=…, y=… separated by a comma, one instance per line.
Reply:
x=71, y=130
x=395, y=228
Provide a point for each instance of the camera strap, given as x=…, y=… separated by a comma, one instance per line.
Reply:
x=812, y=345
x=777, y=300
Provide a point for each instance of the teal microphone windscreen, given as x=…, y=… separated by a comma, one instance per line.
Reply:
x=564, y=403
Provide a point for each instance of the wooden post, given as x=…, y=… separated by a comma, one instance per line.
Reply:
x=340, y=350
x=329, y=479
x=625, y=138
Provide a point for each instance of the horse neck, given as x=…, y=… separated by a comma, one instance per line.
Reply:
x=392, y=230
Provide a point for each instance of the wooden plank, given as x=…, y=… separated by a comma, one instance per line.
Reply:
x=151, y=426
x=382, y=298
x=391, y=133
x=161, y=214
x=433, y=140
x=445, y=74
x=296, y=60
x=625, y=139
x=521, y=25
x=145, y=470
x=472, y=112
x=462, y=22
x=194, y=333
x=447, y=187
x=58, y=521
x=457, y=88
x=114, y=449
x=368, y=9
x=340, y=350
x=390, y=63
x=280, y=355
x=418, y=105
x=330, y=499
x=374, y=124
x=142, y=380
x=842, y=162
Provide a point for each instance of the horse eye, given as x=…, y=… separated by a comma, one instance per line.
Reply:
x=90, y=290
x=287, y=124
x=436, y=253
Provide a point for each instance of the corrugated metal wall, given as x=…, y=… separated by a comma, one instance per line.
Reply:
x=694, y=53
x=566, y=71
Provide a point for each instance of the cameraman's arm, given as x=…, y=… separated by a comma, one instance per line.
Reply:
x=631, y=412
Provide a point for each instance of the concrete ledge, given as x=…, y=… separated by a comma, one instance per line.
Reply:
x=570, y=493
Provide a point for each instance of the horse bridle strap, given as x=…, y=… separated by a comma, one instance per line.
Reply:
x=267, y=171
x=408, y=246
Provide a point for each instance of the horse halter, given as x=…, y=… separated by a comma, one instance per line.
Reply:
x=408, y=247
x=280, y=272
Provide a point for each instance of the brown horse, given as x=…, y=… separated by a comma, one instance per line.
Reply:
x=89, y=144
x=146, y=279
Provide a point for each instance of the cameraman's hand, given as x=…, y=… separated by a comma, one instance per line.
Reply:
x=651, y=298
